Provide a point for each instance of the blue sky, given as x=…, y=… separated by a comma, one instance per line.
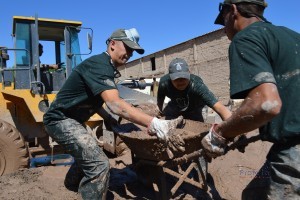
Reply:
x=161, y=23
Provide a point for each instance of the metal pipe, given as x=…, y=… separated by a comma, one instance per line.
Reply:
x=51, y=160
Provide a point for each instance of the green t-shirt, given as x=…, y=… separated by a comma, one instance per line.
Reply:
x=264, y=53
x=194, y=96
x=79, y=98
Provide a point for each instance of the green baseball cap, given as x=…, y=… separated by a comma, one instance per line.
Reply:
x=220, y=20
x=130, y=37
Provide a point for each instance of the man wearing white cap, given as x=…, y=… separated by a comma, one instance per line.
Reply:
x=90, y=85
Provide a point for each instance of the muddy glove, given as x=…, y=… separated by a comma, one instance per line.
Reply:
x=213, y=144
x=162, y=128
x=176, y=143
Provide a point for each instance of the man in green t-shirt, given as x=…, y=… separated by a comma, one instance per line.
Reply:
x=187, y=93
x=90, y=85
x=265, y=72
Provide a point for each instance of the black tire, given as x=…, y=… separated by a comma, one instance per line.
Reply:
x=13, y=152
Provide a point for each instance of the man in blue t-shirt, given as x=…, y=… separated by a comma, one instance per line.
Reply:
x=265, y=72
x=90, y=85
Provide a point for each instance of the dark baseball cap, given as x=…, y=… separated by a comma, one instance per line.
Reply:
x=130, y=37
x=220, y=20
x=178, y=68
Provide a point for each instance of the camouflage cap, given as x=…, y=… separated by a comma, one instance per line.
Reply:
x=130, y=37
x=258, y=2
x=220, y=20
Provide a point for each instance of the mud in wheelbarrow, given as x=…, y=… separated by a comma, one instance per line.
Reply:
x=151, y=148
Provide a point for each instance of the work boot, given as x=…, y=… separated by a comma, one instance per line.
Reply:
x=73, y=177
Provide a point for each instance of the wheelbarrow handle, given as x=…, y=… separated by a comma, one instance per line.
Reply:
x=241, y=144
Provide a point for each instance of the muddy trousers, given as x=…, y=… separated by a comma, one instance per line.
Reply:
x=75, y=139
x=279, y=178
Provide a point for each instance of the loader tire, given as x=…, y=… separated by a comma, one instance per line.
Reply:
x=13, y=152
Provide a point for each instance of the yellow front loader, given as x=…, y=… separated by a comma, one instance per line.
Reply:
x=26, y=91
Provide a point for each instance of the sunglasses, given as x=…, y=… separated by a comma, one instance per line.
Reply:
x=223, y=5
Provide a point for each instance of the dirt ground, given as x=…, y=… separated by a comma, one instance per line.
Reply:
x=227, y=176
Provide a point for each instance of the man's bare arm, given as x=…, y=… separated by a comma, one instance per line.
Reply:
x=261, y=105
x=222, y=111
x=123, y=109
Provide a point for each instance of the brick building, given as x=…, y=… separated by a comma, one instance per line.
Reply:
x=207, y=56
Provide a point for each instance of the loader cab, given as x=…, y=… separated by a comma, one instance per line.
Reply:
x=62, y=35
x=26, y=91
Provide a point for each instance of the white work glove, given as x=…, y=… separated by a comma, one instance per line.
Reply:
x=162, y=128
x=164, y=131
x=213, y=144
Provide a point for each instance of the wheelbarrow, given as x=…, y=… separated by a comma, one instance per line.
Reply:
x=150, y=154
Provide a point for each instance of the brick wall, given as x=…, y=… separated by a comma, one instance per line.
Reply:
x=206, y=56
